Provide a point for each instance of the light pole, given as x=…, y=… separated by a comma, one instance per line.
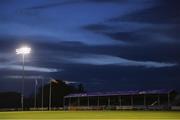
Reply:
x=42, y=97
x=50, y=98
x=23, y=51
x=35, y=87
x=50, y=91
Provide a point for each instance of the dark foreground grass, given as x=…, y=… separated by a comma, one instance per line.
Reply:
x=91, y=115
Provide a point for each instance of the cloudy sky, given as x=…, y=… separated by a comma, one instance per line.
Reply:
x=107, y=45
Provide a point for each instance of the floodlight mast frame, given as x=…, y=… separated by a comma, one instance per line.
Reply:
x=23, y=51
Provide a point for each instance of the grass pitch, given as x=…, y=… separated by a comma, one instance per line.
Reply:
x=32, y=115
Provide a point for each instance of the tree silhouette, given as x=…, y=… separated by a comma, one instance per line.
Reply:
x=59, y=89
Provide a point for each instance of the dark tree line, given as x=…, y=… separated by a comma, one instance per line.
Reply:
x=58, y=90
x=10, y=100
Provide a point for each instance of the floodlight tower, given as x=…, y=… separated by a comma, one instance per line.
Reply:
x=23, y=51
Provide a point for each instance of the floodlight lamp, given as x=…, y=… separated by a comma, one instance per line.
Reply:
x=23, y=50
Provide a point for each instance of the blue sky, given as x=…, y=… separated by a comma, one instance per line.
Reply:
x=103, y=44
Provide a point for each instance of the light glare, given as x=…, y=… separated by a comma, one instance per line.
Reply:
x=23, y=50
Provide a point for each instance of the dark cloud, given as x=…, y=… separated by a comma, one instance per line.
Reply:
x=53, y=4
x=165, y=12
x=69, y=2
x=97, y=27
x=125, y=36
x=150, y=34
x=159, y=23
x=107, y=1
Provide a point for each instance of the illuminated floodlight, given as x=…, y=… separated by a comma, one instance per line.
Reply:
x=23, y=50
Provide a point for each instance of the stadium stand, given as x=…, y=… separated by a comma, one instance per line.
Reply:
x=121, y=100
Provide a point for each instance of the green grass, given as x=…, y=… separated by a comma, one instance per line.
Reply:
x=91, y=115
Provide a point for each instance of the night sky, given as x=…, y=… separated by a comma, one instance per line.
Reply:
x=106, y=45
